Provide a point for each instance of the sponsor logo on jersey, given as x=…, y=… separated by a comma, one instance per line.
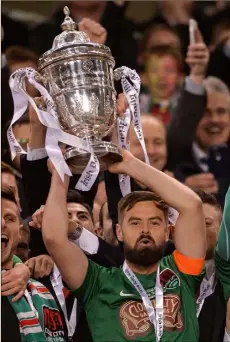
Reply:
x=53, y=326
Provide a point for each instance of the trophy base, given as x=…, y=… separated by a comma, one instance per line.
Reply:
x=106, y=152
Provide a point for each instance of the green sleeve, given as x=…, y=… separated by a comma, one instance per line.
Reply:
x=16, y=260
x=223, y=274
x=91, y=285
x=223, y=244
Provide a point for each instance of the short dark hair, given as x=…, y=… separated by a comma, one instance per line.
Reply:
x=155, y=28
x=128, y=202
x=17, y=53
x=24, y=226
x=73, y=196
x=208, y=199
x=5, y=168
x=166, y=50
x=8, y=194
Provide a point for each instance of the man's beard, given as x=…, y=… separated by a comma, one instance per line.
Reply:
x=144, y=256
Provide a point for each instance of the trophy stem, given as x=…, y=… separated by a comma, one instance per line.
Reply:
x=106, y=153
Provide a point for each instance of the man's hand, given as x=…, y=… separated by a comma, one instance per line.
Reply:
x=95, y=32
x=122, y=104
x=197, y=58
x=15, y=281
x=40, y=266
x=124, y=165
x=37, y=218
x=203, y=181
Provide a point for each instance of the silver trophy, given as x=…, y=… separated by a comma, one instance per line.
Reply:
x=79, y=77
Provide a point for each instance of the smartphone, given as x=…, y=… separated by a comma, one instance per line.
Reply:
x=192, y=26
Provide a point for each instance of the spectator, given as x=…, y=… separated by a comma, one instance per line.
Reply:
x=155, y=141
x=13, y=328
x=106, y=226
x=207, y=165
x=162, y=77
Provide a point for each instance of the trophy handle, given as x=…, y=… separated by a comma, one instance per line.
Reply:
x=117, y=73
x=22, y=74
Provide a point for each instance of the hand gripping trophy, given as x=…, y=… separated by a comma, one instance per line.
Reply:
x=76, y=79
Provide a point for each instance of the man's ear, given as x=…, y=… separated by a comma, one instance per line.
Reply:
x=170, y=231
x=167, y=232
x=119, y=232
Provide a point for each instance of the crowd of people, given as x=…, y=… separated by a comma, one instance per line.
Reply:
x=99, y=266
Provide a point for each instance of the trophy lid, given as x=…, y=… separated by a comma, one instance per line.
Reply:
x=72, y=43
x=69, y=35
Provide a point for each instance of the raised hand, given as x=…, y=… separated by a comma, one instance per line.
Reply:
x=197, y=57
x=95, y=32
x=37, y=217
x=123, y=166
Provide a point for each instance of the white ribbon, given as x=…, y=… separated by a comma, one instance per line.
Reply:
x=57, y=284
x=207, y=287
x=131, y=92
x=29, y=300
x=123, y=124
x=54, y=133
x=156, y=315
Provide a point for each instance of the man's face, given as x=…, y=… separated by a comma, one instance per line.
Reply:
x=108, y=233
x=80, y=215
x=212, y=222
x=162, y=76
x=214, y=127
x=155, y=141
x=143, y=232
x=10, y=231
x=23, y=250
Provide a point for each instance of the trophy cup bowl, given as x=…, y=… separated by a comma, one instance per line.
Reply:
x=79, y=77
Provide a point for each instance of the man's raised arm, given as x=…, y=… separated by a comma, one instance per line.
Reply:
x=70, y=260
x=189, y=236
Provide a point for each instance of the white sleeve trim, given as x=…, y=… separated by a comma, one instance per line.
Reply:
x=193, y=88
x=36, y=153
x=226, y=336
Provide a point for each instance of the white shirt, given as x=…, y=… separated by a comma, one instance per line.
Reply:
x=199, y=154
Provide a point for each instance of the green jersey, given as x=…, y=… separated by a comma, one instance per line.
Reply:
x=223, y=274
x=115, y=311
x=222, y=253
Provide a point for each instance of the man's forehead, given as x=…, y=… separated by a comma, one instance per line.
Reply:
x=210, y=211
x=144, y=209
x=72, y=206
x=9, y=178
x=151, y=127
x=215, y=98
x=9, y=206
